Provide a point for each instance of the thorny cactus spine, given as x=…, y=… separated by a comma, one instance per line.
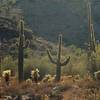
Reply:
x=58, y=61
x=20, y=55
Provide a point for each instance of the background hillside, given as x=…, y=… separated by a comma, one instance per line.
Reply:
x=47, y=18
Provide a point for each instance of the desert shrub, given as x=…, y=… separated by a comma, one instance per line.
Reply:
x=28, y=65
x=97, y=75
x=9, y=63
x=28, y=53
x=78, y=62
x=46, y=66
x=42, y=63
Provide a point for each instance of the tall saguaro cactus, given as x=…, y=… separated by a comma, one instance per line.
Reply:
x=92, y=42
x=20, y=53
x=91, y=29
x=58, y=61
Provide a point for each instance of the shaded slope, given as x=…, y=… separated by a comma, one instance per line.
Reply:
x=49, y=17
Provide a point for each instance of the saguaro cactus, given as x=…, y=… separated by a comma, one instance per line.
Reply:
x=92, y=43
x=58, y=61
x=20, y=54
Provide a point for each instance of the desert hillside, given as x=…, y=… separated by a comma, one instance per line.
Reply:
x=51, y=17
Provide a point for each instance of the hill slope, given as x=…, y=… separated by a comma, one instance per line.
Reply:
x=49, y=17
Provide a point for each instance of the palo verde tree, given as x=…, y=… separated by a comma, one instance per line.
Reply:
x=20, y=53
x=91, y=43
x=58, y=61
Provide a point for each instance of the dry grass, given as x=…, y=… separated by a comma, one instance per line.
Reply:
x=15, y=88
x=80, y=90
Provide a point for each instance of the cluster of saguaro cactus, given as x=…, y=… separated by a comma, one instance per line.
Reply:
x=58, y=61
x=92, y=43
x=20, y=53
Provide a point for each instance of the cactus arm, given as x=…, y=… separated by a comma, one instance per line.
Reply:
x=50, y=57
x=66, y=61
x=93, y=38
